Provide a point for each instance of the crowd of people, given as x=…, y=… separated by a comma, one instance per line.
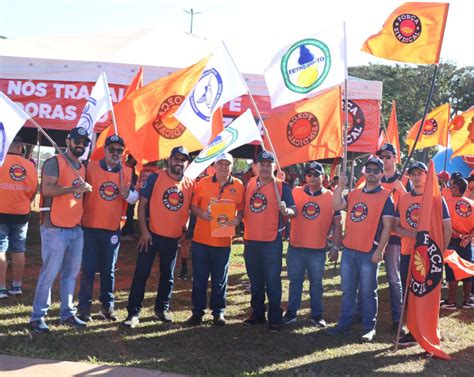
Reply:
x=83, y=209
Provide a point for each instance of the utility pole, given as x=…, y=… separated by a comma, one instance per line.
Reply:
x=192, y=13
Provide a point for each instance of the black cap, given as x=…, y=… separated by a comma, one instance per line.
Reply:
x=456, y=174
x=375, y=161
x=265, y=156
x=114, y=139
x=387, y=147
x=314, y=167
x=180, y=150
x=418, y=165
x=78, y=133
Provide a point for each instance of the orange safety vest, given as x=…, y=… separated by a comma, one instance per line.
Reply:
x=66, y=210
x=446, y=193
x=18, y=182
x=391, y=187
x=169, y=205
x=261, y=213
x=310, y=227
x=362, y=219
x=462, y=217
x=104, y=207
x=409, y=209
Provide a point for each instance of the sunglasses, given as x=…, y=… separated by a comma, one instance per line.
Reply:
x=115, y=150
x=385, y=156
x=84, y=142
x=178, y=159
x=373, y=170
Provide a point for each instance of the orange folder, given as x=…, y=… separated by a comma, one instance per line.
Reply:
x=221, y=212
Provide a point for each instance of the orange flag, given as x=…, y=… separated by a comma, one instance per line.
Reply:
x=413, y=33
x=462, y=134
x=427, y=270
x=392, y=131
x=311, y=130
x=435, y=129
x=462, y=268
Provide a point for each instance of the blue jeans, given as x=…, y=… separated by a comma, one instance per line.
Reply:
x=214, y=261
x=263, y=261
x=404, y=266
x=61, y=251
x=298, y=261
x=167, y=248
x=100, y=255
x=13, y=237
x=392, y=266
x=358, y=272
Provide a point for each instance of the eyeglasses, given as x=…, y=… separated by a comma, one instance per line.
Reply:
x=313, y=175
x=373, y=170
x=84, y=142
x=385, y=156
x=115, y=150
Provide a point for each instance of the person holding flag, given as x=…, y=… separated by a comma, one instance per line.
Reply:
x=266, y=200
x=104, y=209
x=211, y=253
x=18, y=182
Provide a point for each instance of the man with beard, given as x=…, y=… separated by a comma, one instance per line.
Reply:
x=167, y=198
x=62, y=189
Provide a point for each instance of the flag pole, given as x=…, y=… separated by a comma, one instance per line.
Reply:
x=446, y=151
x=346, y=108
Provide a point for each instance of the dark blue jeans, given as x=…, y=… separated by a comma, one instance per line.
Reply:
x=263, y=261
x=167, y=248
x=99, y=255
x=214, y=261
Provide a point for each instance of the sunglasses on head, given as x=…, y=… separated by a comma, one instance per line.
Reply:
x=373, y=170
x=385, y=156
x=84, y=142
x=115, y=150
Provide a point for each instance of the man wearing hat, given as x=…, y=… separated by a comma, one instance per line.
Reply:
x=210, y=254
x=267, y=199
x=18, y=181
x=309, y=243
x=62, y=187
x=369, y=221
x=166, y=198
x=104, y=212
x=470, y=187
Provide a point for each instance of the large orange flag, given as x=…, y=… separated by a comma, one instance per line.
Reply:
x=427, y=270
x=392, y=131
x=413, y=33
x=435, y=129
x=462, y=134
x=311, y=130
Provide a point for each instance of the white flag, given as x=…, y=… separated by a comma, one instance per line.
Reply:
x=307, y=66
x=219, y=83
x=241, y=131
x=12, y=118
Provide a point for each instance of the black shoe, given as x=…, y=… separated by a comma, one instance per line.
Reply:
x=131, y=321
x=73, y=321
x=219, y=320
x=252, y=320
x=194, y=320
x=274, y=328
x=289, y=318
x=163, y=316
x=107, y=314
x=39, y=326
x=85, y=316
x=407, y=340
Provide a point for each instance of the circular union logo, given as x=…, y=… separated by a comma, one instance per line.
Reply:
x=77, y=182
x=359, y=212
x=173, y=199
x=305, y=65
x=311, y=210
x=17, y=173
x=222, y=219
x=258, y=202
x=221, y=142
x=412, y=214
x=427, y=269
x=108, y=191
x=430, y=127
x=463, y=208
x=206, y=93
x=356, y=122
x=302, y=129
x=165, y=123
x=407, y=28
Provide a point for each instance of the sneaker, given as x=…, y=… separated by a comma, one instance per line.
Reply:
x=407, y=340
x=337, y=330
x=468, y=305
x=219, y=320
x=73, y=321
x=446, y=305
x=319, y=322
x=163, y=316
x=250, y=321
x=107, y=314
x=3, y=293
x=39, y=326
x=15, y=291
x=84, y=316
x=275, y=329
x=131, y=321
x=368, y=336
x=194, y=320
x=289, y=318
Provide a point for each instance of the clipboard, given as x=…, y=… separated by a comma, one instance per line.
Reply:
x=222, y=210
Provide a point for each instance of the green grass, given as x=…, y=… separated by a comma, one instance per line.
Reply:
x=234, y=349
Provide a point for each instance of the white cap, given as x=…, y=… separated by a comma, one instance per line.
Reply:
x=225, y=156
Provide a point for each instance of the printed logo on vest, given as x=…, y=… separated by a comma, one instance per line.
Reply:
x=359, y=212
x=258, y=202
x=77, y=182
x=412, y=215
x=463, y=208
x=17, y=173
x=173, y=199
x=108, y=191
x=407, y=28
x=311, y=210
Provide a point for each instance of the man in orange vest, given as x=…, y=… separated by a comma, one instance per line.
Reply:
x=62, y=188
x=18, y=183
x=210, y=254
x=308, y=243
x=369, y=222
x=266, y=200
x=104, y=212
x=166, y=198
